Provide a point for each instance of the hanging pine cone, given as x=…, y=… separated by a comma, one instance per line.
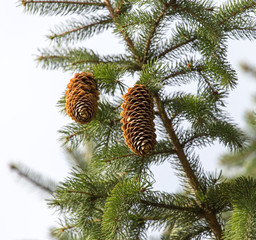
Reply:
x=82, y=98
x=137, y=118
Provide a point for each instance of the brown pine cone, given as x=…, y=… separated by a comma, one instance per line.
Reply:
x=137, y=118
x=82, y=97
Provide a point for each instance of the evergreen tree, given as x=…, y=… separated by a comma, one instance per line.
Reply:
x=169, y=43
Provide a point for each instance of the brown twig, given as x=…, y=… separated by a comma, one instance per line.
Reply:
x=110, y=9
x=63, y=229
x=120, y=7
x=40, y=58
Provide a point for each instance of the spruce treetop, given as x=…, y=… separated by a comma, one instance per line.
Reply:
x=168, y=44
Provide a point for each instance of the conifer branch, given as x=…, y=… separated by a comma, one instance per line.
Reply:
x=175, y=74
x=245, y=29
x=24, y=2
x=132, y=154
x=172, y=207
x=79, y=28
x=214, y=92
x=153, y=29
x=110, y=8
x=40, y=58
x=63, y=229
x=87, y=61
x=118, y=193
x=175, y=47
x=209, y=214
x=200, y=19
x=240, y=10
x=194, y=138
x=87, y=193
x=67, y=138
x=34, y=178
x=127, y=39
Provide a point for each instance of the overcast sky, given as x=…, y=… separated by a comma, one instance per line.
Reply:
x=30, y=120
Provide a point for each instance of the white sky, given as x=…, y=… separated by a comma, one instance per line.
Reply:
x=30, y=120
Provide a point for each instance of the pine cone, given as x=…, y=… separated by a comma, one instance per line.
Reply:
x=137, y=118
x=82, y=98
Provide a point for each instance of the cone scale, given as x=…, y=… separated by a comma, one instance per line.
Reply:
x=82, y=97
x=137, y=119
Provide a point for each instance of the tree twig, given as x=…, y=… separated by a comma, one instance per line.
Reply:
x=199, y=18
x=237, y=12
x=153, y=29
x=214, y=93
x=34, y=180
x=172, y=207
x=24, y=2
x=78, y=29
x=87, y=193
x=127, y=39
x=132, y=154
x=175, y=47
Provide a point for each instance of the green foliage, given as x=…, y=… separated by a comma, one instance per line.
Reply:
x=120, y=220
x=74, y=31
x=68, y=198
x=52, y=8
x=109, y=77
x=81, y=59
x=152, y=74
x=168, y=44
x=206, y=122
x=242, y=223
x=235, y=17
x=67, y=59
x=103, y=131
